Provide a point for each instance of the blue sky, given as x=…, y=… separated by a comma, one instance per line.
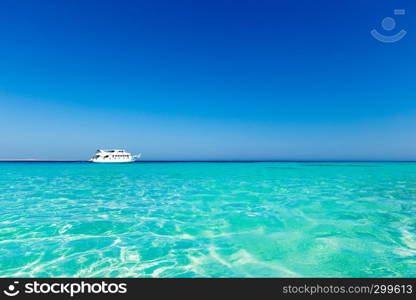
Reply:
x=215, y=80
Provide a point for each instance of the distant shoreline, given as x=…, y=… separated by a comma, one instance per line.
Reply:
x=213, y=161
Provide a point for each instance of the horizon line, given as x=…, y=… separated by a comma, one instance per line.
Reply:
x=212, y=161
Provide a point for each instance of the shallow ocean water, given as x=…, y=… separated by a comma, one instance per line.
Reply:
x=208, y=220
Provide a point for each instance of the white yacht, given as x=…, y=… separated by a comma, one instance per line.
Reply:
x=114, y=156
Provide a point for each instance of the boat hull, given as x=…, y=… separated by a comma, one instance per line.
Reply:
x=112, y=161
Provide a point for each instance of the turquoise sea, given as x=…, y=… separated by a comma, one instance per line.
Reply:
x=208, y=219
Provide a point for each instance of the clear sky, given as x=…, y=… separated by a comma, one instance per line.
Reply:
x=216, y=80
